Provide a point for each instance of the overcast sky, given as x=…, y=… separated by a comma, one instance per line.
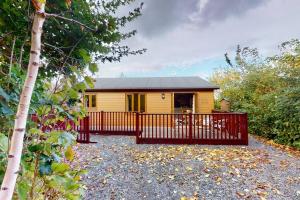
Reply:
x=190, y=37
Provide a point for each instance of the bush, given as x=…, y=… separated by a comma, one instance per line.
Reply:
x=267, y=89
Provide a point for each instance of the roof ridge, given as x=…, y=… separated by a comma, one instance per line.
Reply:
x=150, y=77
x=151, y=83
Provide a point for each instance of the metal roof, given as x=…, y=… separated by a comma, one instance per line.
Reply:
x=152, y=83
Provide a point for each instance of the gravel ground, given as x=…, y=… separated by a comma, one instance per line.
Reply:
x=120, y=169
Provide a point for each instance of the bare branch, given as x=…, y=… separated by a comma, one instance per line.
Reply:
x=12, y=56
x=73, y=49
x=54, y=47
x=26, y=36
x=6, y=34
x=70, y=20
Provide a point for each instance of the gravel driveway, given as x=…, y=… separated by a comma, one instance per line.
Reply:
x=120, y=169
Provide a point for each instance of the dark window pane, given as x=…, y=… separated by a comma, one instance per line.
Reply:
x=93, y=100
x=136, y=102
x=142, y=103
x=129, y=103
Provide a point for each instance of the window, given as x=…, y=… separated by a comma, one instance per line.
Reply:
x=136, y=102
x=93, y=101
x=142, y=103
x=90, y=101
x=129, y=103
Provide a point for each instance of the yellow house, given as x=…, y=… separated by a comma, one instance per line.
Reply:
x=151, y=95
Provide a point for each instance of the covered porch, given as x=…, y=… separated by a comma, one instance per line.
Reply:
x=184, y=102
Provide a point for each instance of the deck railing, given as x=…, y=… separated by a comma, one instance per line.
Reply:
x=81, y=126
x=215, y=128
x=212, y=128
x=112, y=123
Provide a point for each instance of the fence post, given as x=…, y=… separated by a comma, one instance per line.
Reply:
x=245, y=129
x=101, y=121
x=190, y=126
x=79, y=129
x=137, y=126
x=87, y=129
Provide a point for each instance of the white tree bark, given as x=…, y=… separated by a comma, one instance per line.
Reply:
x=15, y=151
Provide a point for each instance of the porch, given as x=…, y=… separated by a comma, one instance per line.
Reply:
x=213, y=128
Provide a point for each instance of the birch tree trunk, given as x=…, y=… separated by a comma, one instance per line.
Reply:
x=15, y=151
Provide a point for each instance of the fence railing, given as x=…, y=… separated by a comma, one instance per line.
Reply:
x=212, y=128
x=112, y=123
x=215, y=128
x=82, y=127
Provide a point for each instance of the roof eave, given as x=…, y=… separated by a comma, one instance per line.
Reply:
x=152, y=89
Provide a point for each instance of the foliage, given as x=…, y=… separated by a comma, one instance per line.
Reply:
x=47, y=155
x=67, y=44
x=69, y=55
x=268, y=89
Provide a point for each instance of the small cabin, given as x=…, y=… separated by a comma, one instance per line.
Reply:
x=225, y=105
x=151, y=95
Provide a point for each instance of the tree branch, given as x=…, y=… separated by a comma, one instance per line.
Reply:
x=70, y=20
x=26, y=36
x=73, y=49
x=12, y=56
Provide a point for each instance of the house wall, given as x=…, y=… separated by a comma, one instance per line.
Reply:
x=109, y=102
x=205, y=101
x=116, y=102
x=155, y=104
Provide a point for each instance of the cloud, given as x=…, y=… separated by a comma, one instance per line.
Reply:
x=219, y=10
x=181, y=33
x=161, y=16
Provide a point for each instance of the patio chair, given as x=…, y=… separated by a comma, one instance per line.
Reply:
x=181, y=120
x=210, y=121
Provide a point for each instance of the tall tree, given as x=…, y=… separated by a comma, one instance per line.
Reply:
x=15, y=151
x=68, y=43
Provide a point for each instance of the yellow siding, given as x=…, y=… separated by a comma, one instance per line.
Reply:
x=116, y=102
x=108, y=102
x=205, y=102
x=111, y=102
x=155, y=104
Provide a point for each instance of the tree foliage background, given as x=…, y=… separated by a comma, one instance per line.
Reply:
x=267, y=88
x=70, y=51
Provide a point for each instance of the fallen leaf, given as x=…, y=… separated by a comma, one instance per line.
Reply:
x=189, y=168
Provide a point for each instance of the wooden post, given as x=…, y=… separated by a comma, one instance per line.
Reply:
x=190, y=122
x=86, y=130
x=245, y=132
x=101, y=122
x=137, y=126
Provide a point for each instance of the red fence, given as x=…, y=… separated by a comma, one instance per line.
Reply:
x=215, y=128
x=112, y=123
x=83, y=130
x=82, y=127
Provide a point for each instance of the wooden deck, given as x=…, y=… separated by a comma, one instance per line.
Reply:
x=212, y=128
x=215, y=128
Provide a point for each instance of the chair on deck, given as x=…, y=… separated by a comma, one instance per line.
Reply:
x=182, y=118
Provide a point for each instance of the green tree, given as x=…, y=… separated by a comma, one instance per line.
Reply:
x=268, y=89
x=83, y=33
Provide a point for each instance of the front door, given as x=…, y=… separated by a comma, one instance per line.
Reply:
x=184, y=102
